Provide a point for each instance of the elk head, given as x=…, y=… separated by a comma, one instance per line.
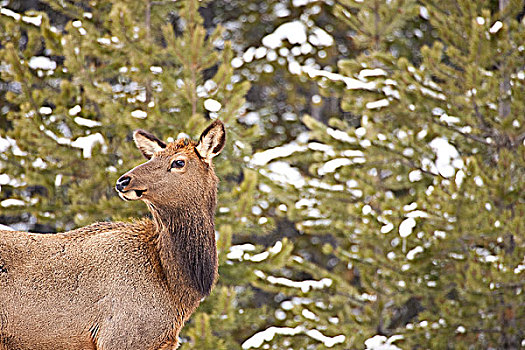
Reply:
x=177, y=175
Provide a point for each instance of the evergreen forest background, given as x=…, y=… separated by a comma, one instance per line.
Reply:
x=372, y=189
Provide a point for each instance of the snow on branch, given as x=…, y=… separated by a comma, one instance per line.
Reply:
x=351, y=83
x=263, y=158
x=257, y=340
x=305, y=285
x=36, y=21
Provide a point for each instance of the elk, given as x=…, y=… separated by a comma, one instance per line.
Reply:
x=117, y=285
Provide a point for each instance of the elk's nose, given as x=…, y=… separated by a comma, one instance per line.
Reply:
x=122, y=183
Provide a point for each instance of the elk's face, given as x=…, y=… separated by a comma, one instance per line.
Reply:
x=175, y=174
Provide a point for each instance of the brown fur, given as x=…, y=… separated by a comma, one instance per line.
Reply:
x=118, y=286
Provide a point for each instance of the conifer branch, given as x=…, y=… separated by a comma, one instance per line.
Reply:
x=462, y=133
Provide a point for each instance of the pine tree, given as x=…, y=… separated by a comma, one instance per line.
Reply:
x=418, y=210
x=78, y=87
x=398, y=216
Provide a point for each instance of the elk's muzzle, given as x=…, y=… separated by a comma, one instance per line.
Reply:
x=126, y=191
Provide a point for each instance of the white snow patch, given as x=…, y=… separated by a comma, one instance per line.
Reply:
x=460, y=175
x=58, y=180
x=327, y=341
x=4, y=179
x=367, y=209
x=412, y=253
x=351, y=83
x=360, y=132
x=37, y=21
x=517, y=271
x=42, y=62
x=250, y=118
x=305, y=285
x=212, y=105
x=107, y=41
x=309, y=314
x=365, y=73
x=277, y=247
x=257, y=340
x=340, y=135
x=312, y=223
x=432, y=93
x=12, y=203
x=415, y=175
x=353, y=153
x=445, y=118
x=45, y=110
x=378, y=104
x=294, y=67
x=447, y=157
x=380, y=342
x=249, y=54
x=306, y=202
x=406, y=227
x=423, y=12
x=257, y=257
x=59, y=140
x=39, y=164
x=238, y=251
x=417, y=214
x=7, y=12
x=332, y=165
x=263, y=158
x=86, y=143
x=321, y=147
x=237, y=62
x=9, y=142
x=155, y=69
x=138, y=113
x=410, y=207
x=260, y=52
x=325, y=186
x=294, y=32
x=282, y=172
x=298, y=3
x=387, y=228
x=87, y=122
x=478, y=180
x=75, y=110
x=391, y=92
x=320, y=37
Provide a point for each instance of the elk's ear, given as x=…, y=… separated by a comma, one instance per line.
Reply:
x=147, y=143
x=212, y=141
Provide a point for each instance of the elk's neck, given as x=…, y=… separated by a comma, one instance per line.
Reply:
x=186, y=246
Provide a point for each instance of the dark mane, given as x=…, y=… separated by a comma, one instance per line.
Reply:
x=187, y=241
x=199, y=253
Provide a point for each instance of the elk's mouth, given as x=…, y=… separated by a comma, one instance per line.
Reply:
x=131, y=195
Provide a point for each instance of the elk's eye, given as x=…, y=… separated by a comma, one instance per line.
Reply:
x=177, y=164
